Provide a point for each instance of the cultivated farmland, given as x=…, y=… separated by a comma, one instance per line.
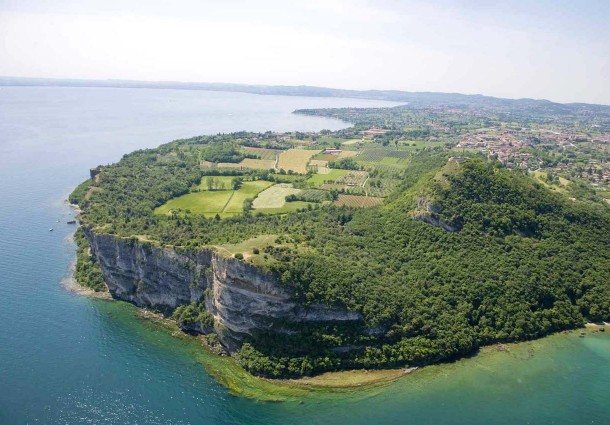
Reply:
x=221, y=200
x=295, y=160
x=255, y=164
x=262, y=153
x=358, y=201
x=331, y=176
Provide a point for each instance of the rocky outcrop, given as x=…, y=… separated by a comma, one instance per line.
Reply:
x=429, y=213
x=243, y=299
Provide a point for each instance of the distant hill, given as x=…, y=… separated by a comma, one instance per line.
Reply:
x=413, y=98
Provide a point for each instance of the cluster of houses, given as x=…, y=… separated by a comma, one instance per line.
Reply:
x=504, y=147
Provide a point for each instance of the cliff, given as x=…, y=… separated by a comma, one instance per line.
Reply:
x=242, y=299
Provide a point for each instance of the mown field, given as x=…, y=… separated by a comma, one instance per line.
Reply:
x=274, y=196
x=222, y=200
x=295, y=160
x=273, y=200
x=319, y=179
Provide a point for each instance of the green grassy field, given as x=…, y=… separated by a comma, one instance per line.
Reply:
x=225, y=182
x=286, y=208
x=274, y=196
x=208, y=203
x=319, y=179
x=247, y=190
x=225, y=203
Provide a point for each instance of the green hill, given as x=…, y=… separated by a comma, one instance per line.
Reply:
x=460, y=255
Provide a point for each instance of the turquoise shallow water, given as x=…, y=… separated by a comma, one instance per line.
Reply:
x=66, y=359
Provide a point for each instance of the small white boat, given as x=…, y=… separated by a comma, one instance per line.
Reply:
x=51, y=229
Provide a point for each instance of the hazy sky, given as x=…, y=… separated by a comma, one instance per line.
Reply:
x=554, y=49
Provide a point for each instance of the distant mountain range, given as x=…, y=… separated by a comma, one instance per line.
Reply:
x=412, y=98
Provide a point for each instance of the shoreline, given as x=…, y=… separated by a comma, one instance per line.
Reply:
x=239, y=382
x=227, y=371
x=71, y=285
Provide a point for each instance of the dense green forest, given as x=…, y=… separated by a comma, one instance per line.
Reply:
x=522, y=263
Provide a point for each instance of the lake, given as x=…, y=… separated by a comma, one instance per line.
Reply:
x=67, y=359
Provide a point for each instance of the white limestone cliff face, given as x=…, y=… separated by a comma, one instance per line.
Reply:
x=242, y=298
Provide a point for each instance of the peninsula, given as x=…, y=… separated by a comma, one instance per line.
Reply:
x=416, y=236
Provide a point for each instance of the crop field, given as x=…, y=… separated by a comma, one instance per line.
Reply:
x=319, y=179
x=255, y=164
x=274, y=196
x=222, y=200
x=353, y=178
x=325, y=157
x=330, y=157
x=358, y=201
x=351, y=142
x=288, y=207
x=349, y=154
x=332, y=186
x=295, y=160
x=318, y=163
x=379, y=154
x=384, y=186
x=317, y=194
x=262, y=153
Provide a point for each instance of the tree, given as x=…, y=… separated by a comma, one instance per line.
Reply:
x=211, y=183
x=237, y=183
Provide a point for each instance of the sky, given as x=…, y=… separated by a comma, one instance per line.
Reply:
x=551, y=49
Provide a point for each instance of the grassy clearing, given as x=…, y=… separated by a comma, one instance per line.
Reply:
x=358, y=201
x=286, y=208
x=561, y=187
x=246, y=247
x=207, y=203
x=274, y=196
x=224, y=201
x=222, y=182
x=295, y=160
x=247, y=190
x=319, y=179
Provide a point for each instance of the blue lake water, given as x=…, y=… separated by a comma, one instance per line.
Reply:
x=67, y=359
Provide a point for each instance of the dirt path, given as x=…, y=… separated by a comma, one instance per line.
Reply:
x=365, y=180
x=227, y=203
